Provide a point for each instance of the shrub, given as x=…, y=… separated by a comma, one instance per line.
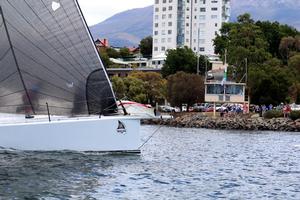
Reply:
x=295, y=115
x=273, y=114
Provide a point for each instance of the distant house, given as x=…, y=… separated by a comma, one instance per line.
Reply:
x=102, y=44
x=134, y=51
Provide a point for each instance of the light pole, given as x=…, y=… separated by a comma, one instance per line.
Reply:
x=198, y=56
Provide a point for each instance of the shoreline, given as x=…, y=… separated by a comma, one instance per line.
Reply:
x=240, y=122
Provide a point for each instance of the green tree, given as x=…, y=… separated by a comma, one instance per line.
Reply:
x=155, y=85
x=105, y=58
x=135, y=90
x=182, y=59
x=294, y=63
x=125, y=53
x=184, y=88
x=112, y=53
x=269, y=84
x=146, y=46
x=118, y=87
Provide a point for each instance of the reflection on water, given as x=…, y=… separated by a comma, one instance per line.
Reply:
x=174, y=164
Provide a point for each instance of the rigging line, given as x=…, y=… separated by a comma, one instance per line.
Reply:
x=81, y=40
x=64, y=32
x=44, y=52
x=5, y=54
x=44, y=81
x=58, y=75
x=49, y=30
x=48, y=69
x=15, y=59
x=48, y=41
x=7, y=77
x=151, y=136
x=45, y=40
x=12, y=93
x=67, y=100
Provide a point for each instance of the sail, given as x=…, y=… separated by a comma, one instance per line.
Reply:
x=47, y=56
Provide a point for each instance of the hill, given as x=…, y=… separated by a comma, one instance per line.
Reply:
x=129, y=27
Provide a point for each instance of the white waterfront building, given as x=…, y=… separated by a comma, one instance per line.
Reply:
x=191, y=23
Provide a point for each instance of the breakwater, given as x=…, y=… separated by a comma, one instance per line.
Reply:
x=227, y=123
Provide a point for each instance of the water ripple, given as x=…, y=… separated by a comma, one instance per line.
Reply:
x=175, y=164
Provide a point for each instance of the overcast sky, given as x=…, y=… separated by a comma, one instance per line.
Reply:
x=96, y=11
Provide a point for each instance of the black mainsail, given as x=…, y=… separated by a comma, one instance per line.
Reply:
x=47, y=55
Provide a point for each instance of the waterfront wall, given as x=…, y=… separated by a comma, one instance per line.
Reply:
x=232, y=123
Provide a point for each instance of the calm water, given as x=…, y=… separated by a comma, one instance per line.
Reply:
x=175, y=164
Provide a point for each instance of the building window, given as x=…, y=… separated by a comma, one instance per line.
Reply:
x=214, y=16
x=202, y=25
x=156, y=17
x=155, y=32
x=202, y=17
x=163, y=32
x=164, y=9
x=155, y=48
x=163, y=16
x=170, y=1
x=163, y=24
x=163, y=48
x=156, y=1
x=170, y=16
x=169, y=32
x=201, y=49
x=214, y=9
x=156, y=25
x=202, y=9
x=169, y=39
x=155, y=40
x=202, y=41
x=214, y=1
x=164, y=1
x=216, y=24
x=170, y=8
x=169, y=23
x=156, y=9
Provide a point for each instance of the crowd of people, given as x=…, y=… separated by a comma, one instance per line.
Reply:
x=261, y=109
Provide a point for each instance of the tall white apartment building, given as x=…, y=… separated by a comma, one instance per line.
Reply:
x=191, y=23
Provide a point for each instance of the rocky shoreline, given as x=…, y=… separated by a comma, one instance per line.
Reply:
x=228, y=123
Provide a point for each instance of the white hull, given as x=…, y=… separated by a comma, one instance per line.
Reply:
x=88, y=134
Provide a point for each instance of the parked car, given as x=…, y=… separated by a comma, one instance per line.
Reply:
x=199, y=107
x=295, y=107
x=167, y=109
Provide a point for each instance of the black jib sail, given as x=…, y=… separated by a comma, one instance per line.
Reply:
x=47, y=56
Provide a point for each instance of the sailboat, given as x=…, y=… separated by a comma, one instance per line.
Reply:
x=51, y=72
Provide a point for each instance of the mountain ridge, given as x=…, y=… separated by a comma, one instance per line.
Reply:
x=129, y=27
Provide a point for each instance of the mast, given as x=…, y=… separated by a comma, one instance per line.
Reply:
x=15, y=60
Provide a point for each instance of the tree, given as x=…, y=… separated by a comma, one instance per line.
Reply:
x=269, y=84
x=146, y=46
x=112, y=53
x=294, y=63
x=105, y=58
x=155, y=85
x=184, y=88
x=289, y=46
x=135, y=89
x=118, y=87
x=125, y=53
x=182, y=59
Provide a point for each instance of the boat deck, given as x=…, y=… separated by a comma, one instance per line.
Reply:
x=9, y=119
